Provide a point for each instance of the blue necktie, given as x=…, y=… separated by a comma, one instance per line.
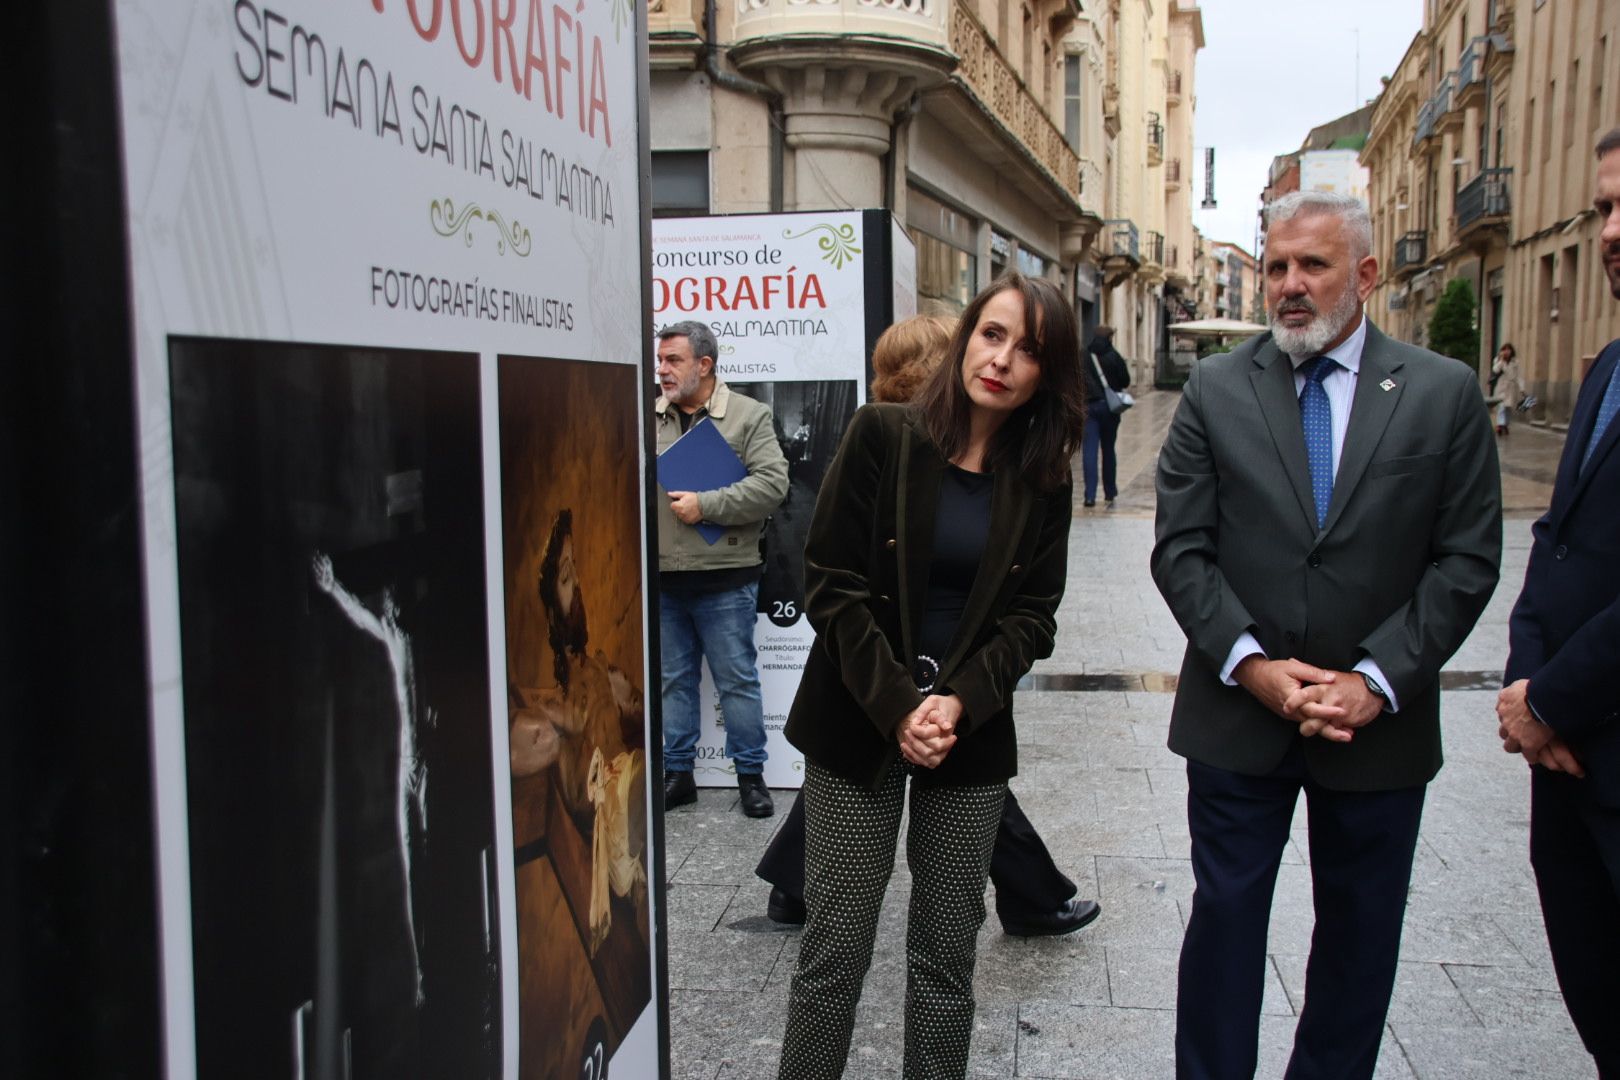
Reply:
x=1317, y=416
x=1606, y=411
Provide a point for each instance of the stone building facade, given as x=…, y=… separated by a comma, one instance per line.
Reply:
x=1481, y=167
x=999, y=132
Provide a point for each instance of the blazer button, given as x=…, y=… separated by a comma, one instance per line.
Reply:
x=884, y=597
x=1017, y=569
x=1290, y=637
x=1314, y=560
x=890, y=545
x=1561, y=552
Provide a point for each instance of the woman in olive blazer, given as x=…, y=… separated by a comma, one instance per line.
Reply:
x=976, y=473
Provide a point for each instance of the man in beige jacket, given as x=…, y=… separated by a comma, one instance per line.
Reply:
x=709, y=593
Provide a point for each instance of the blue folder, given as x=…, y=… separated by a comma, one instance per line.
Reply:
x=701, y=460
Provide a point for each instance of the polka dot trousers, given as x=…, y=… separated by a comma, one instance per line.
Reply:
x=850, y=836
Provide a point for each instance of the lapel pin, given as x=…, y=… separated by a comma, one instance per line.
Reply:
x=1387, y=385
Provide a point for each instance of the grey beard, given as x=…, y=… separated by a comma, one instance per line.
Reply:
x=1311, y=339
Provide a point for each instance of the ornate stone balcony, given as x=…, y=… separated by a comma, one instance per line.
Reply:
x=901, y=25
x=991, y=82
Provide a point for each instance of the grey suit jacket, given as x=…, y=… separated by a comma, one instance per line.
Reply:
x=1400, y=572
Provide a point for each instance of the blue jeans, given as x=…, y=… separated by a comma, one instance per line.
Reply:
x=1101, y=428
x=718, y=627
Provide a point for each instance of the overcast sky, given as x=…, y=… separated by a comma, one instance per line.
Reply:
x=1271, y=70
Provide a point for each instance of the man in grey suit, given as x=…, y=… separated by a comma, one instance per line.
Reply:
x=1329, y=529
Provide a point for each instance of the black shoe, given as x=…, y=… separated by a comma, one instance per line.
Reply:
x=1067, y=919
x=756, y=797
x=1089, y=502
x=784, y=907
x=679, y=789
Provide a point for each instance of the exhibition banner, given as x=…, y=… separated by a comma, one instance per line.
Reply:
x=392, y=447
x=795, y=301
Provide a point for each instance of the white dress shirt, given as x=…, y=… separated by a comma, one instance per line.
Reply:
x=1340, y=386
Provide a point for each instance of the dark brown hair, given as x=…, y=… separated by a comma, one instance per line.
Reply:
x=906, y=354
x=1041, y=437
x=1609, y=143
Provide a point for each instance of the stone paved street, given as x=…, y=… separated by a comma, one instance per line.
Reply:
x=1475, y=997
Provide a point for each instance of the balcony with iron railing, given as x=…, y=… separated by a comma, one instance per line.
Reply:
x=1153, y=249
x=1471, y=75
x=1123, y=240
x=1447, y=117
x=1172, y=88
x=1484, y=201
x=1432, y=112
x=1155, y=139
x=1172, y=175
x=1411, y=251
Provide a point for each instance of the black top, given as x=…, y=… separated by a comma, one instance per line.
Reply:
x=1113, y=366
x=961, y=527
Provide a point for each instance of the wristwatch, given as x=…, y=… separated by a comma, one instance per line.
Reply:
x=1372, y=684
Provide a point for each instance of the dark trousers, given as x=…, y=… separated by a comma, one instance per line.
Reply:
x=1361, y=863
x=1027, y=881
x=1575, y=852
x=1102, y=428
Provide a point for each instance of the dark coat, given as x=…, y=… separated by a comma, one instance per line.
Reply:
x=1113, y=367
x=1564, y=635
x=1401, y=571
x=866, y=580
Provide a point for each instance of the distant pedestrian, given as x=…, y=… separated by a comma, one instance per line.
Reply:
x=1033, y=896
x=708, y=594
x=1329, y=530
x=935, y=564
x=1508, y=386
x=1560, y=707
x=1102, y=423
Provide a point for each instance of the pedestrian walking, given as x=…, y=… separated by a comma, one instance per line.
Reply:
x=1508, y=386
x=1105, y=370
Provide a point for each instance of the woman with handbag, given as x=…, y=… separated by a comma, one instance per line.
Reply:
x=933, y=570
x=1106, y=374
x=1509, y=386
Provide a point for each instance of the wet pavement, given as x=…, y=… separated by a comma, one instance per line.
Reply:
x=1475, y=995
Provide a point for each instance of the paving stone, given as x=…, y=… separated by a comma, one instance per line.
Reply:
x=1449, y=1054
x=697, y=908
x=713, y=863
x=1277, y=1045
x=1144, y=978
x=1424, y=994
x=722, y=960
x=1512, y=997
x=1092, y=1043
x=1072, y=969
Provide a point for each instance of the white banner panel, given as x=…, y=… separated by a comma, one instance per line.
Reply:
x=366, y=240
x=785, y=295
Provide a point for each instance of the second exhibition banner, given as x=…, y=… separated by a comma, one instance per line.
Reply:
x=795, y=301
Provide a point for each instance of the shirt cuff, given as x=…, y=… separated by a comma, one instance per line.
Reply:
x=1369, y=667
x=1245, y=647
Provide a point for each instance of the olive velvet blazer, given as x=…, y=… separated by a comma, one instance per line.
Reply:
x=866, y=584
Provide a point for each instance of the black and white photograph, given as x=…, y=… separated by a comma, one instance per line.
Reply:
x=336, y=710
x=810, y=418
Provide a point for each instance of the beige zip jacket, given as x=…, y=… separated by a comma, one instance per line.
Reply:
x=741, y=507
